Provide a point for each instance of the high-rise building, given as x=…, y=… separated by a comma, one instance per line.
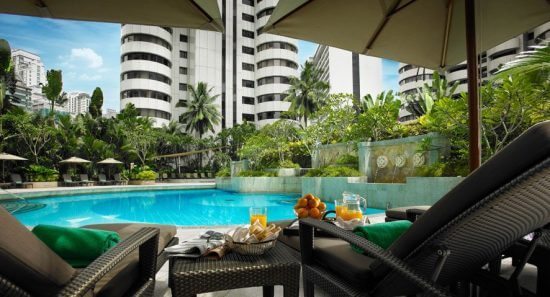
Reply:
x=110, y=113
x=348, y=72
x=29, y=69
x=412, y=77
x=248, y=69
x=78, y=103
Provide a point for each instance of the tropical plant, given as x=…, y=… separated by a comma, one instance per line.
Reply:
x=534, y=62
x=38, y=173
x=333, y=171
x=201, y=114
x=141, y=140
x=7, y=75
x=423, y=100
x=224, y=172
x=53, y=88
x=96, y=103
x=308, y=92
x=368, y=102
x=288, y=164
x=256, y=173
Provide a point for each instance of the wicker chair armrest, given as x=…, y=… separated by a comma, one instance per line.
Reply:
x=146, y=239
x=372, y=250
x=414, y=213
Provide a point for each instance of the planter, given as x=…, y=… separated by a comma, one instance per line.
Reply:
x=195, y=175
x=141, y=182
x=286, y=172
x=39, y=185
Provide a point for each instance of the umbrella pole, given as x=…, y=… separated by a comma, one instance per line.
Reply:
x=473, y=96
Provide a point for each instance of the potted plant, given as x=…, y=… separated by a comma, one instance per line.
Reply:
x=288, y=168
x=142, y=176
x=42, y=177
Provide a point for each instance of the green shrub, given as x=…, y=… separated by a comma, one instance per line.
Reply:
x=435, y=169
x=347, y=159
x=38, y=173
x=256, y=173
x=333, y=171
x=288, y=164
x=146, y=175
x=224, y=172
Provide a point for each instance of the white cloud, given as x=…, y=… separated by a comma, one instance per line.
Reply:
x=88, y=55
x=87, y=77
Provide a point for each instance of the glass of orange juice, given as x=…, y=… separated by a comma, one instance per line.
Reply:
x=340, y=207
x=258, y=214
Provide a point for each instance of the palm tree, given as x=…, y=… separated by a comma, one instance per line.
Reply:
x=367, y=102
x=201, y=114
x=534, y=62
x=307, y=92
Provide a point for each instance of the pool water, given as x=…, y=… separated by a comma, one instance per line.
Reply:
x=178, y=207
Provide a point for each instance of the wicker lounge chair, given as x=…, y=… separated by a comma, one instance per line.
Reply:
x=119, y=180
x=85, y=180
x=30, y=268
x=17, y=181
x=102, y=180
x=505, y=199
x=68, y=181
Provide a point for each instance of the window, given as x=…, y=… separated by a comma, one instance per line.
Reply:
x=271, y=97
x=183, y=70
x=248, y=100
x=248, y=17
x=420, y=77
x=145, y=94
x=277, y=62
x=248, y=34
x=269, y=115
x=147, y=57
x=248, y=2
x=183, y=54
x=273, y=80
x=458, y=68
x=277, y=45
x=507, y=52
x=265, y=12
x=248, y=66
x=248, y=83
x=183, y=87
x=154, y=113
x=182, y=103
x=146, y=38
x=248, y=117
x=145, y=75
x=259, y=31
x=407, y=68
x=248, y=50
x=183, y=38
x=167, y=29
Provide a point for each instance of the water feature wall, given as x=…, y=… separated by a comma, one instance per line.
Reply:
x=238, y=166
x=392, y=161
x=327, y=154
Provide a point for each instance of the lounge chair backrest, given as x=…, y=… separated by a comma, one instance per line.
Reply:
x=102, y=177
x=84, y=177
x=503, y=200
x=16, y=178
x=28, y=262
x=117, y=177
x=67, y=178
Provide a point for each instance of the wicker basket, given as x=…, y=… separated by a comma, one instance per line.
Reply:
x=253, y=248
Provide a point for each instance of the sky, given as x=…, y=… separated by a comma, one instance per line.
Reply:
x=88, y=53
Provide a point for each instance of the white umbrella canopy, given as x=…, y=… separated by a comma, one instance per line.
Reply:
x=10, y=157
x=425, y=33
x=74, y=160
x=196, y=14
x=109, y=161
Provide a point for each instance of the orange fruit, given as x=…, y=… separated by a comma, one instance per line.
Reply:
x=296, y=206
x=322, y=206
x=313, y=203
x=302, y=213
x=315, y=213
x=302, y=202
x=309, y=196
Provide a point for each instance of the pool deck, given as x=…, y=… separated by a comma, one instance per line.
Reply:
x=48, y=192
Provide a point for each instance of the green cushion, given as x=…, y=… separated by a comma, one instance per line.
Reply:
x=382, y=234
x=78, y=246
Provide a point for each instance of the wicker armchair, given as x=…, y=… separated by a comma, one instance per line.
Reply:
x=505, y=199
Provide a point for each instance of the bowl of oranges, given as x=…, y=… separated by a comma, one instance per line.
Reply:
x=309, y=206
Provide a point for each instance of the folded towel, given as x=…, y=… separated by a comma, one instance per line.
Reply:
x=382, y=234
x=78, y=246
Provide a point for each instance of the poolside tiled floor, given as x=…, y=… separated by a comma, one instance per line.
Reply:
x=527, y=279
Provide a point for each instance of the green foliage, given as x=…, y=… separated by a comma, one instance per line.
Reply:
x=435, y=169
x=307, y=92
x=256, y=173
x=53, y=88
x=333, y=171
x=368, y=102
x=96, y=103
x=38, y=173
x=288, y=164
x=146, y=175
x=224, y=172
x=7, y=76
x=422, y=102
x=232, y=139
x=347, y=159
x=534, y=63
x=201, y=114
x=377, y=123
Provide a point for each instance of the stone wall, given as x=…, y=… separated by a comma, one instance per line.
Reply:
x=260, y=184
x=327, y=154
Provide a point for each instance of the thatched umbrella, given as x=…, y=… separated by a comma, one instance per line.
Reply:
x=9, y=157
x=428, y=33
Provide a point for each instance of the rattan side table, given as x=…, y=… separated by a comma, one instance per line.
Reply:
x=188, y=277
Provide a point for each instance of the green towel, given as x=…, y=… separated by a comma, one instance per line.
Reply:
x=382, y=234
x=78, y=246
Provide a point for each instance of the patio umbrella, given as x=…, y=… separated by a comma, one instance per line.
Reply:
x=109, y=161
x=9, y=157
x=74, y=160
x=428, y=33
x=203, y=14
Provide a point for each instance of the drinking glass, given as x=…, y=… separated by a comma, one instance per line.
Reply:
x=258, y=214
x=340, y=207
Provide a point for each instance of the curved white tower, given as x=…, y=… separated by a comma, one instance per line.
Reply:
x=276, y=59
x=146, y=71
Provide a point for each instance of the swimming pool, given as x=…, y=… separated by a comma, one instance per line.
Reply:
x=178, y=207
